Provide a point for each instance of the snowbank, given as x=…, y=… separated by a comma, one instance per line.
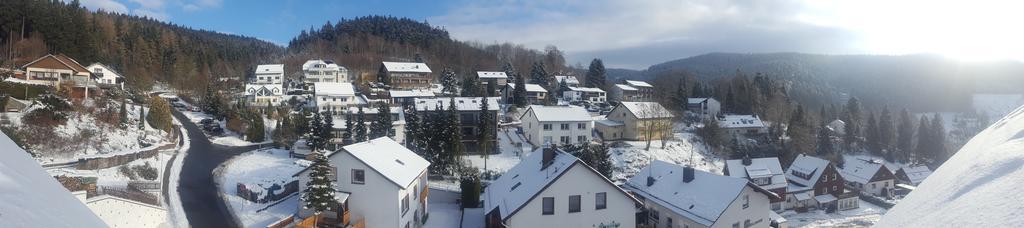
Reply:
x=260, y=166
x=864, y=216
x=684, y=149
x=977, y=187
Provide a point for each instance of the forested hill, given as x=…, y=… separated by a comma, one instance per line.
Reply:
x=142, y=48
x=362, y=43
x=918, y=82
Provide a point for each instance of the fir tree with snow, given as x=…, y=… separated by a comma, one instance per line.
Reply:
x=123, y=113
x=596, y=74
x=360, y=128
x=453, y=136
x=470, y=87
x=319, y=193
x=905, y=139
x=450, y=82
x=486, y=126
x=313, y=138
x=347, y=136
x=538, y=75
x=519, y=92
x=382, y=126
x=412, y=129
x=327, y=128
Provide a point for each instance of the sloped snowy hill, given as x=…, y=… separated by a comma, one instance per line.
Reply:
x=978, y=187
x=29, y=197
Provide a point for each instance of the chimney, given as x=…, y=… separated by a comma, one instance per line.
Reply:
x=549, y=157
x=747, y=161
x=687, y=174
x=650, y=181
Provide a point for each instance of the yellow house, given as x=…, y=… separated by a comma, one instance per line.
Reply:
x=636, y=121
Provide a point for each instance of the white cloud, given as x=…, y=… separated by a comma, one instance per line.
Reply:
x=106, y=5
x=150, y=4
x=158, y=15
x=201, y=5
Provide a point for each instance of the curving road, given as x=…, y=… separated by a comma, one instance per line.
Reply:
x=199, y=197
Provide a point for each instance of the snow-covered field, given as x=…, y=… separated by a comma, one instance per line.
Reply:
x=683, y=149
x=864, y=216
x=264, y=166
x=509, y=156
x=978, y=187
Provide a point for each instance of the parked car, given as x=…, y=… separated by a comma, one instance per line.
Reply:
x=207, y=121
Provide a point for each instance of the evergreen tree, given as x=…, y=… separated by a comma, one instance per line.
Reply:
x=142, y=118
x=382, y=126
x=123, y=113
x=486, y=126
x=921, y=152
x=453, y=153
x=360, y=128
x=825, y=147
x=539, y=76
x=887, y=134
x=319, y=193
x=852, y=117
x=159, y=114
x=596, y=74
x=602, y=160
x=471, y=87
x=413, y=130
x=301, y=123
x=681, y=97
x=450, y=82
x=519, y=92
x=314, y=140
x=939, y=152
x=347, y=136
x=905, y=139
x=256, y=130
x=871, y=135
x=801, y=133
x=327, y=128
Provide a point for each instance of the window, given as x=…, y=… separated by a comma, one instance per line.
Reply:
x=581, y=138
x=746, y=201
x=547, y=127
x=574, y=203
x=564, y=139
x=655, y=216
x=549, y=206
x=668, y=223
x=872, y=185
x=581, y=126
x=405, y=204
x=601, y=200
x=358, y=176
x=834, y=188
x=565, y=127
x=736, y=225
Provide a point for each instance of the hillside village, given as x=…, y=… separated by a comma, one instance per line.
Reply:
x=331, y=135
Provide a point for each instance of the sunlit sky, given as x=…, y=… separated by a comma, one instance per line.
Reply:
x=637, y=34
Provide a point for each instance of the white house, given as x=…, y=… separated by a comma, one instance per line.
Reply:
x=677, y=196
x=334, y=97
x=500, y=79
x=551, y=188
x=556, y=125
x=378, y=182
x=764, y=172
x=318, y=70
x=269, y=74
x=570, y=81
x=593, y=95
x=738, y=127
x=869, y=176
x=913, y=175
x=645, y=91
x=837, y=126
x=621, y=92
x=704, y=108
x=106, y=76
x=535, y=94
x=263, y=94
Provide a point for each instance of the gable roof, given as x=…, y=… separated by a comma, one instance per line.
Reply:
x=491, y=74
x=558, y=113
x=329, y=65
x=638, y=83
x=646, y=110
x=461, y=103
x=334, y=89
x=529, y=87
x=272, y=89
x=702, y=200
x=567, y=79
x=811, y=166
x=524, y=181
x=410, y=93
x=109, y=69
x=740, y=121
x=58, y=60
x=698, y=100
x=917, y=173
x=625, y=87
x=270, y=68
x=759, y=167
x=406, y=67
x=586, y=89
x=860, y=171
x=392, y=160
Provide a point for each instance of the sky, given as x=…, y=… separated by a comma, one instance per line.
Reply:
x=638, y=33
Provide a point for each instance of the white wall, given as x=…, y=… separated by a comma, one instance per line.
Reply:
x=578, y=180
x=337, y=104
x=878, y=186
x=378, y=201
x=534, y=130
x=759, y=209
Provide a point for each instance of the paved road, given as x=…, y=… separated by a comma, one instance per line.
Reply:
x=203, y=207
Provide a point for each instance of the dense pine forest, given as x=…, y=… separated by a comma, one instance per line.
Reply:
x=145, y=49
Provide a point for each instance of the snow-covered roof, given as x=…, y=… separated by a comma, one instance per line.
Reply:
x=410, y=93
x=568, y=79
x=390, y=159
x=740, y=121
x=273, y=89
x=696, y=100
x=610, y=123
x=270, y=69
x=917, y=173
x=625, y=87
x=461, y=103
x=334, y=89
x=759, y=167
x=530, y=87
x=825, y=198
x=638, y=83
x=108, y=68
x=860, y=171
x=559, y=113
x=647, y=110
x=491, y=74
x=979, y=186
x=328, y=65
x=406, y=67
x=807, y=165
x=702, y=200
x=32, y=198
x=586, y=89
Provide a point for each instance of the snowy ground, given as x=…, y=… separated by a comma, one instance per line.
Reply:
x=112, y=176
x=864, y=216
x=509, y=156
x=266, y=166
x=176, y=213
x=229, y=138
x=444, y=212
x=683, y=149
